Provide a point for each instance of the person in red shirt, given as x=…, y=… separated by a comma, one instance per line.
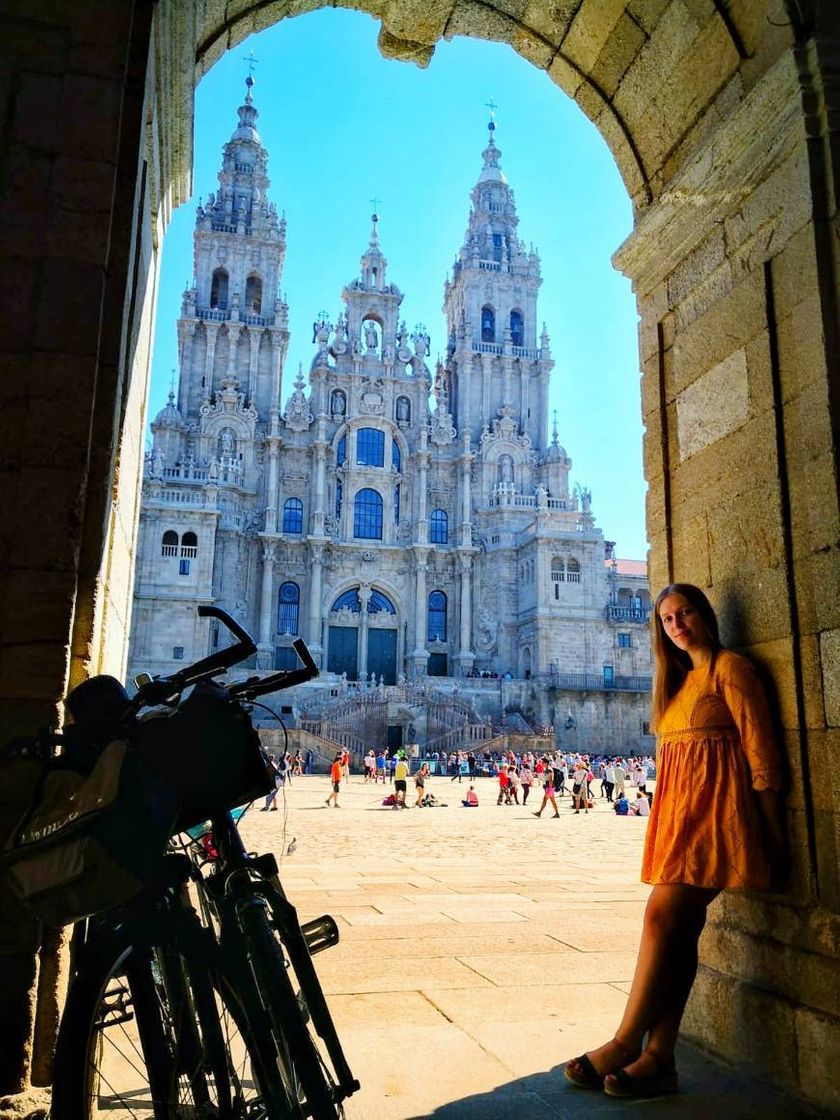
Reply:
x=335, y=778
x=504, y=781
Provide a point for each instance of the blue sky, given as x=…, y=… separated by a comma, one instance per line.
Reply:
x=343, y=126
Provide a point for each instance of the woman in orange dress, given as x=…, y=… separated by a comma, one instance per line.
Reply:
x=715, y=824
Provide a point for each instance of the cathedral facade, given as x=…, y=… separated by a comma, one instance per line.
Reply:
x=405, y=519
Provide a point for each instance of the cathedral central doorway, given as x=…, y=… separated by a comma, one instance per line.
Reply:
x=382, y=655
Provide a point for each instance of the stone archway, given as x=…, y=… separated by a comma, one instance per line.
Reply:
x=718, y=117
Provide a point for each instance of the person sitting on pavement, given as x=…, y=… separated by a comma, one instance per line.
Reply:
x=641, y=806
x=471, y=800
x=621, y=806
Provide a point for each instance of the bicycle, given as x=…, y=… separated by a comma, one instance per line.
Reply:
x=174, y=1013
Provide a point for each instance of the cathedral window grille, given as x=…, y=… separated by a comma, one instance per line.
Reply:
x=396, y=456
x=177, y=653
x=497, y=246
x=517, y=328
x=439, y=524
x=219, y=290
x=189, y=545
x=341, y=450
x=339, y=494
x=370, y=447
x=573, y=571
x=348, y=601
x=169, y=544
x=396, y=505
x=488, y=324
x=253, y=294
x=367, y=515
x=183, y=567
x=379, y=602
x=293, y=515
x=288, y=608
x=437, y=617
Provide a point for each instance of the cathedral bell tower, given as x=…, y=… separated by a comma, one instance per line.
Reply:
x=495, y=362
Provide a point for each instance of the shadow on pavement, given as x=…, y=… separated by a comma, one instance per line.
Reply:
x=708, y=1091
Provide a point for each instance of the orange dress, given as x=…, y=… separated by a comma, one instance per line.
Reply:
x=715, y=743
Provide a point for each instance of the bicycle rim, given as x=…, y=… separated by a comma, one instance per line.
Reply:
x=128, y=1051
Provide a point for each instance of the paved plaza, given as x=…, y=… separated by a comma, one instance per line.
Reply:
x=480, y=949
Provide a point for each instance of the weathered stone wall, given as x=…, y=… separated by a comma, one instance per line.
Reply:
x=720, y=119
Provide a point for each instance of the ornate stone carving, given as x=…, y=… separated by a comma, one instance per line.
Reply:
x=298, y=415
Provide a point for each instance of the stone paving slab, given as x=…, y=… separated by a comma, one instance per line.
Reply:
x=479, y=951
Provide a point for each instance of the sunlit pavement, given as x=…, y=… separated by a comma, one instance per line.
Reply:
x=480, y=949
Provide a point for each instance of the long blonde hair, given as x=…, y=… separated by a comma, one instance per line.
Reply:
x=670, y=663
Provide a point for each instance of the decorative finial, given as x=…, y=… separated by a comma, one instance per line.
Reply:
x=554, y=436
x=492, y=106
x=252, y=61
x=172, y=388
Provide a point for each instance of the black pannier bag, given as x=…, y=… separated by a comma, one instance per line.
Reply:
x=207, y=752
x=87, y=841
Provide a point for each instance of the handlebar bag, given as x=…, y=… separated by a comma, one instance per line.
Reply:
x=88, y=841
x=207, y=752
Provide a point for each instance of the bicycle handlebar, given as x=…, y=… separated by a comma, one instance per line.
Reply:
x=288, y=678
x=160, y=690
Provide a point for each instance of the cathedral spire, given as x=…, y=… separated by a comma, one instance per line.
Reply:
x=491, y=171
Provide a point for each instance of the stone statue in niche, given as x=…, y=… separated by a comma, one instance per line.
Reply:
x=403, y=409
x=371, y=337
x=227, y=444
x=338, y=403
x=506, y=469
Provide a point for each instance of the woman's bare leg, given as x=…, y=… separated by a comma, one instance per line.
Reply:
x=665, y=970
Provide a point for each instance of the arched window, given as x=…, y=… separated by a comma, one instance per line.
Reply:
x=349, y=601
x=396, y=455
x=379, y=602
x=169, y=544
x=517, y=328
x=370, y=447
x=396, y=505
x=488, y=324
x=293, y=515
x=558, y=570
x=341, y=450
x=437, y=617
x=573, y=571
x=288, y=608
x=219, y=290
x=439, y=525
x=253, y=295
x=189, y=544
x=339, y=494
x=367, y=515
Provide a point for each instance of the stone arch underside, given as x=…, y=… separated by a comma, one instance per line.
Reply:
x=718, y=122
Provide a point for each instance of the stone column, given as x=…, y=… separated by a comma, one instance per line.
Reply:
x=264, y=646
x=466, y=657
x=278, y=351
x=233, y=339
x=316, y=559
x=419, y=657
x=186, y=330
x=364, y=622
x=271, y=485
x=254, y=340
x=422, y=460
x=210, y=356
x=319, y=488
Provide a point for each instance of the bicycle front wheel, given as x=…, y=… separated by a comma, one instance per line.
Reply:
x=147, y=1035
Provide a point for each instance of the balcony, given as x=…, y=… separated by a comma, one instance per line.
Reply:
x=622, y=613
x=596, y=682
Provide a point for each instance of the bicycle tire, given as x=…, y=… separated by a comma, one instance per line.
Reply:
x=133, y=1064
x=301, y=1066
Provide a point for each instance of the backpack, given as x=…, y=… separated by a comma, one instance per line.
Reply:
x=83, y=840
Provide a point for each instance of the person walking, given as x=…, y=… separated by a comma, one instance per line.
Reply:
x=400, y=780
x=548, y=790
x=504, y=782
x=609, y=778
x=580, y=786
x=620, y=777
x=335, y=778
x=715, y=824
x=526, y=779
x=380, y=766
